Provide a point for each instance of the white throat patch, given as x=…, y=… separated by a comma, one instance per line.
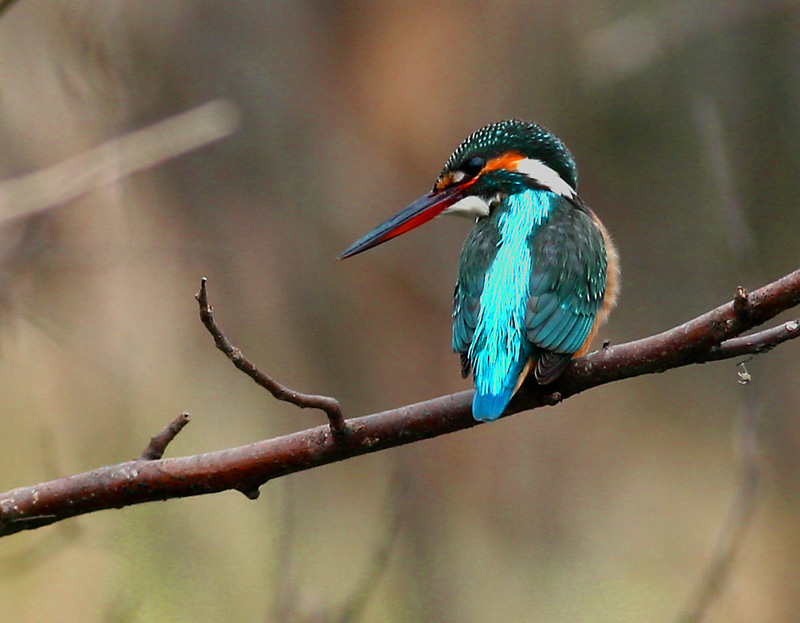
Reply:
x=544, y=175
x=470, y=206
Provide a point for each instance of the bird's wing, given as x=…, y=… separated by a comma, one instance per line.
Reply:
x=567, y=286
x=465, y=318
x=477, y=254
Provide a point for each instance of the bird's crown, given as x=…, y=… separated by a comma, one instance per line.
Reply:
x=512, y=136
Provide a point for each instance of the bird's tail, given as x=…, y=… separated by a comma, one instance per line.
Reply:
x=488, y=406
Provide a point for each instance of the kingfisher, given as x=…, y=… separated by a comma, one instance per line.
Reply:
x=538, y=272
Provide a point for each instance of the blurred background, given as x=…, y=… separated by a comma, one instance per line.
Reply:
x=684, y=118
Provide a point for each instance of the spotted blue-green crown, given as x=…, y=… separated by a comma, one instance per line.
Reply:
x=530, y=139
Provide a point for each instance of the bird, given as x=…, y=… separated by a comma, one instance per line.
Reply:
x=538, y=272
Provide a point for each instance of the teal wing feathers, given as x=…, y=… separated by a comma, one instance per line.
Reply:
x=479, y=251
x=567, y=286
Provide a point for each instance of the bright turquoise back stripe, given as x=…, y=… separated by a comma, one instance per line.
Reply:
x=499, y=347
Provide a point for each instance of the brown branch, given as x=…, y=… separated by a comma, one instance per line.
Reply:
x=248, y=467
x=305, y=401
x=757, y=343
x=158, y=444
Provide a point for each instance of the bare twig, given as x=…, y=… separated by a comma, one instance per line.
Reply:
x=248, y=467
x=757, y=343
x=158, y=444
x=116, y=159
x=305, y=401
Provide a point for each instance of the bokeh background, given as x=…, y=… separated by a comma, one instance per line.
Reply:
x=684, y=118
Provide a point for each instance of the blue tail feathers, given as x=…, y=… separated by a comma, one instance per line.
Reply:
x=488, y=407
x=492, y=395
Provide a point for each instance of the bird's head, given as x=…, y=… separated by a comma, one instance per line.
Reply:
x=498, y=160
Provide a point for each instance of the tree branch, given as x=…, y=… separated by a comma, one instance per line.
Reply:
x=246, y=468
x=305, y=401
x=757, y=343
x=158, y=443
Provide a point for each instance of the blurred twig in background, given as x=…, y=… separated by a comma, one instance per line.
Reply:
x=740, y=238
x=5, y=5
x=731, y=534
x=356, y=602
x=288, y=601
x=628, y=45
x=741, y=242
x=732, y=218
x=117, y=158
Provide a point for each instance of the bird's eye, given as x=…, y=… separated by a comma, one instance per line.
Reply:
x=473, y=166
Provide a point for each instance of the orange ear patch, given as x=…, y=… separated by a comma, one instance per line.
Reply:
x=507, y=161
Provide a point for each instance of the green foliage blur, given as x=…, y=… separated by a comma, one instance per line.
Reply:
x=684, y=119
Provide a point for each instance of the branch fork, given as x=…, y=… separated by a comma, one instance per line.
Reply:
x=305, y=401
x=712, y=336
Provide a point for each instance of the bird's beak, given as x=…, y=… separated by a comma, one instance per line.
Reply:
x=421, y=211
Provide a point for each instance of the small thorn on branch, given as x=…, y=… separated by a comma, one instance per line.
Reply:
x=553, y=398
x=251, y=493
x=158, y=444
x=741, y=303
x=327, y=404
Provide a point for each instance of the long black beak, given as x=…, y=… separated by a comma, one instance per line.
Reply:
x=421, y=211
